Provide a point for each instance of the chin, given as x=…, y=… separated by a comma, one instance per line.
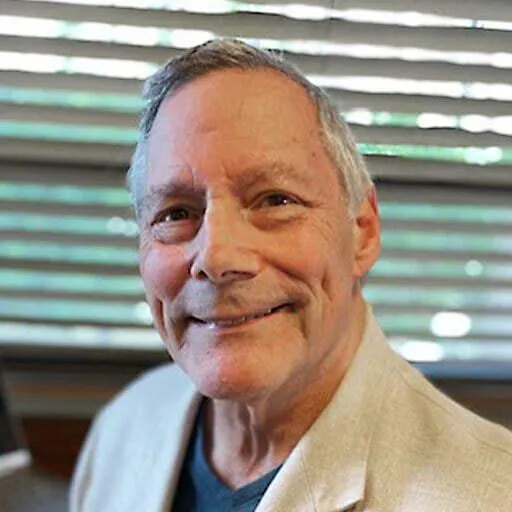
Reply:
x=240, y=369
x=237, y=384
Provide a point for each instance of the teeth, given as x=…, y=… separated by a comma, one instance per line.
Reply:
x=229, y=323
x=239, y=321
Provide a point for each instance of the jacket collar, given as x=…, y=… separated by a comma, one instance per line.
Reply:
x=327, y=470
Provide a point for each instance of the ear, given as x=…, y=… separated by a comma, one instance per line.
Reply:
x=366, y=235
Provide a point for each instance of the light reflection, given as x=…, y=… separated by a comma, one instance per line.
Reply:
x=119, y=102
x=90, y=31
x=405, y=18
x=25, y=26
x=204, y=6
x=71, y=282
x=63, y=194
x=388, y=85
x=79, y=335
x=474, y=268
x=475, y=123
x=360, y=116
x=422, y=351
x=120, y=226
x=127, y=34
x=43, y=63
x=494, y=25
x=501, y=60
x=296, y=11
x=483, y=156
x=31, y=62
x=450, y=324
x=188, y=38
x=434, y=120
x=502, y=124
x=56, y=309
x=47, y=251
x=115, y=68
x=462, y=350
x=470, y=155
x=116, y=225
x=142, y=312
x=69, y=132
x=143, y=36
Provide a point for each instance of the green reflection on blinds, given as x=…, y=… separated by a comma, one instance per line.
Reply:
x=30, y=280
x=482, y=325
x=128, y=136
x=79, y=335
x=438, y=297
x=63, y=194
x=67, y=282
x=67, y=224
x=447, y=241
x=74, y=99
x=403, y=267
x=468, y=155
x=77, y=310
x=410, y=322
x=68, y=132
x=484, y=214
x=27, y=294
x=136, y=313
x=132, y=104
x=73, y=253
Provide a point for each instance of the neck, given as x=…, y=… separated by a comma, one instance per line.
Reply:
x=243, y=441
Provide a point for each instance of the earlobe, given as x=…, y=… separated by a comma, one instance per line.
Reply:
x=366, y=235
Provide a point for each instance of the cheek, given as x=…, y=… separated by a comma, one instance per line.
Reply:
x=321, y=258
x=164, y=271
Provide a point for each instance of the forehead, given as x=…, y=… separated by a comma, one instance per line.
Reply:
x=235, y=119
x=242, y=102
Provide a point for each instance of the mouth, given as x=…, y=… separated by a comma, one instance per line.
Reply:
x=227, y=322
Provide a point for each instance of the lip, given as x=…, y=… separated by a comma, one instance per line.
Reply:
x=233, y=321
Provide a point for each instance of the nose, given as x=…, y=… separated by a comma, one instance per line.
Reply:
x=225, y=248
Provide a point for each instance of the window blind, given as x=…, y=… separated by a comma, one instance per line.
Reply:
x=428, y=94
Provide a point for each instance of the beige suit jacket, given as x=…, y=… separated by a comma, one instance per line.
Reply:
x=387, y=442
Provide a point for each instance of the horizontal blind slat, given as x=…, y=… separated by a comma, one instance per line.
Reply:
x=475, y=9
x=309, y=64
x=248, y=25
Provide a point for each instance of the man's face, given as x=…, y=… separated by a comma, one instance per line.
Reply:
x=248, y=255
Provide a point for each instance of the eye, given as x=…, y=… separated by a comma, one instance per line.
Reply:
x=176, y=214
x=277, y=199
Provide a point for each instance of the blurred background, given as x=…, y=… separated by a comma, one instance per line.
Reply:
x=426, y=87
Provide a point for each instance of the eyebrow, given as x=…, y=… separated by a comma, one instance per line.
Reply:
x=274, y=170
x=170, y=189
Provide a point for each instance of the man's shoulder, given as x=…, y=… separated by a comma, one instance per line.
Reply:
x=448, y=417
x=455, y=443
x=430, y=453
x=135, y=442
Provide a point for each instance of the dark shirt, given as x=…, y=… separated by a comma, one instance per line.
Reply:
x=200, y=490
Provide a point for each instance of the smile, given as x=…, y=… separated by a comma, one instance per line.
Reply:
x=236, y=321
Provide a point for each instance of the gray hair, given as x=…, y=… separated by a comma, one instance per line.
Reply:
x=221, y=54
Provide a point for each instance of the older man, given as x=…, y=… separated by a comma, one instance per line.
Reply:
x=258, y=220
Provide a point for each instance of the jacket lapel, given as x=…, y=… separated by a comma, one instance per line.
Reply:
x=172, y=426
x=327, y=470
